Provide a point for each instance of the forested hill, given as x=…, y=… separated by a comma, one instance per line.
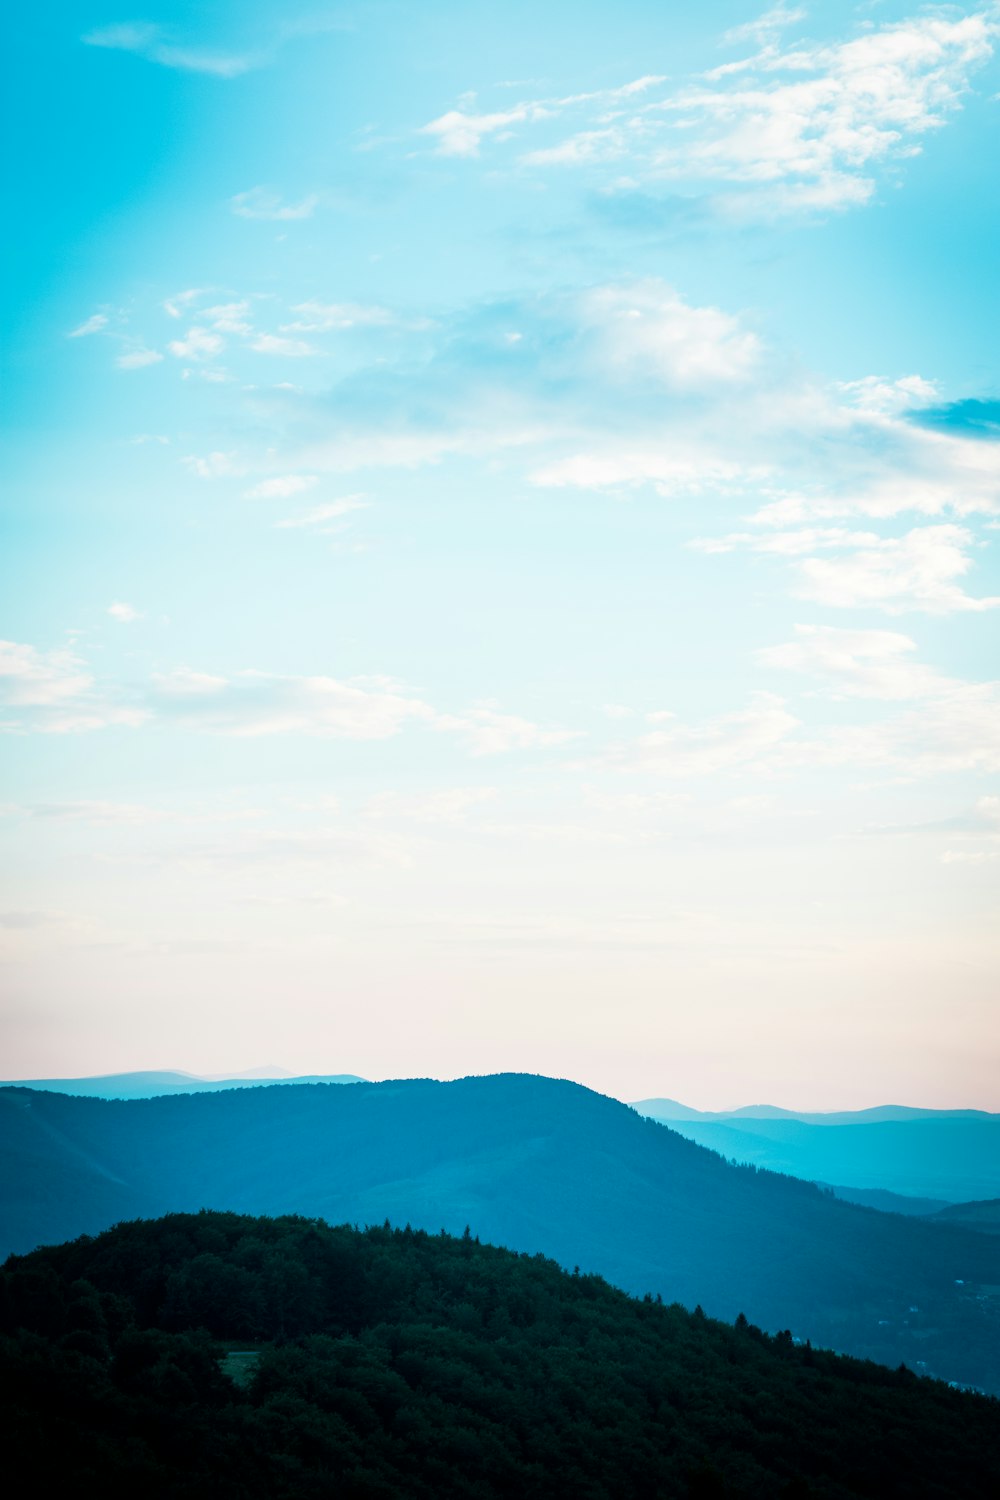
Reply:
x=530, y=1163
x=383, y=1364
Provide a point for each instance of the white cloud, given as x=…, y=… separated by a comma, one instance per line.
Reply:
x=916, y=571
x=727, y=743
x=252, y=704
x=447, y=806
x=766, y=26
x=93, y=324
x=486, y=731
x=125, y=813
x=281, y=487
x=57, y=691
x=214, y=465
x=124, y=613
x=320, y=514
x=953, y=725
x=138, y=359
x=61, y=696
x=460, y=133
x=669, y=468
x=647, y=328
x=859, y=663
x=883, y=466
x=270, y=343
x=228, y=317
x=198, y=343
x=262, y=203
x=182, y=683
x=175, y=306
x=875, y=393
x=785, y=543
x=791, y=131
x=935, y=725
x=29, y=677
x=324, y=317
x=153, y=43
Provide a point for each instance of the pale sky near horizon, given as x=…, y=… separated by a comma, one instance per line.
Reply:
x=501, y=523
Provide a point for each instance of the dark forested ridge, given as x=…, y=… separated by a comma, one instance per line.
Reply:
x=530, y=1163
x=393, y=1363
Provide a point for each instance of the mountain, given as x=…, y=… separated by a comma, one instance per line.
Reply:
x=951, y=1155
x=670, y=1109
x=152, y=1085
x=888, y=1203
x=220, y=1357
x=532, y=1163
x=984, y=1216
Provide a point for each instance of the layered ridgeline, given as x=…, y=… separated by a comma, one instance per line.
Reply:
x=152, y=1085
x=944, y=1156
x=530, y=1163
x=217, y=1356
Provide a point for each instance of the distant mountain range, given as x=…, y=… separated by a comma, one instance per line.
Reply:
x=531, y=1163
x=945, y=1155
x=152, y=1085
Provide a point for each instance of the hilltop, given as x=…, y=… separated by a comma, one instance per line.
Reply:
x=222, y=1357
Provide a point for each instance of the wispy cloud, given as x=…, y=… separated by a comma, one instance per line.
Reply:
x=460, y=132
x=321, y=514
x=800, y=130
x=124, y=613
x=30, y=677
x=93, y=324
x=138, y=359
x=281, y=487
x=55, y=692
x=931, y=724
x=272, y=343
x=264, y=203
x=917, y=571
x=197, y=344
x=487, y=731
x=325, y=317
x=156, y=45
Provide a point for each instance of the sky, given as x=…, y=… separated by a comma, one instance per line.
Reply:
x=500, y=534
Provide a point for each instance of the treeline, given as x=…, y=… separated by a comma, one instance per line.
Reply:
x=391, y=1363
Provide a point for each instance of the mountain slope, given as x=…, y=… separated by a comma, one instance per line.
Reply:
x=531, y=1163
x=397, y=1363
x=983, y=1216
x=950, y=1155
x=152, y=1085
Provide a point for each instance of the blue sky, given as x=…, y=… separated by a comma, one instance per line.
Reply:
x=500, y=546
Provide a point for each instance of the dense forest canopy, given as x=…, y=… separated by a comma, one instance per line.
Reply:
x=217, y=1355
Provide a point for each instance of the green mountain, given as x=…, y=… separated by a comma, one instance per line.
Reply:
x=952, y=1155
x=219, y=1357
x=531, y=1163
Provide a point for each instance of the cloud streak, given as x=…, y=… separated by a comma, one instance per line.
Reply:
x=785, y=131
x=154, y=44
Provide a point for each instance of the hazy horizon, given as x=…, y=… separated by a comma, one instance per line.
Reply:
x=500, y=563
